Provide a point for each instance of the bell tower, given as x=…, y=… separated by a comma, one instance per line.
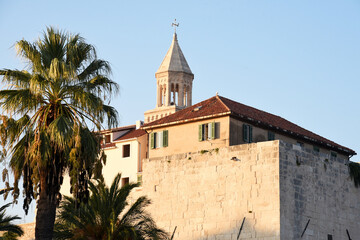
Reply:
x=174, y=83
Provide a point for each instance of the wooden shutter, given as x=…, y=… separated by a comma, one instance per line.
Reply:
x=200, y=133
x=165, y=138
x=152, y=140
x=271, y=136
x=213, y=130
x=245, y=133
x=250, y=134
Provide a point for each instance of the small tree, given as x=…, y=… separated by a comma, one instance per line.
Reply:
x=107, y=216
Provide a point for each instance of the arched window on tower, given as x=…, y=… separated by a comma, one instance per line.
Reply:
x=176, y=94
x=185, y=95
x=172, y=97
x=163, y=94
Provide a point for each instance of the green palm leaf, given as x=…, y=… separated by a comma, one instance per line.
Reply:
x=107, y=215
x=50, y=108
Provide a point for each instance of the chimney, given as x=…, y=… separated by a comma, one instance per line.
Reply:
x=139, y=123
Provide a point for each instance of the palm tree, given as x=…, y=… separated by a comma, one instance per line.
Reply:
x=45, y=126
x=107, y=215
x=6, y=226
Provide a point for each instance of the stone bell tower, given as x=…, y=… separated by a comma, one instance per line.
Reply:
x=174, y=84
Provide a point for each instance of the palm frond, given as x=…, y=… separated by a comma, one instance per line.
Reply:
x=30, y=53
x=19, y=101
x=16, y=78
x=97, y=66
x=5, y=222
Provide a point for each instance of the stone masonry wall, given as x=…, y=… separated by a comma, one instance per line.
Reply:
x=206, y=195
x=318, y=187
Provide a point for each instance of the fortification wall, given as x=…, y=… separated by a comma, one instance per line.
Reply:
x=318, y=187
x=206, y=195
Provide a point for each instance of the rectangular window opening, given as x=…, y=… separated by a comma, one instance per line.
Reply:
x=271, y=136
x=209, y=131
x=124, y=181
x=126, y=150
x=247, y=133
x=316, y=149
x=159, y=139
x=330, y=237
x=107, y=138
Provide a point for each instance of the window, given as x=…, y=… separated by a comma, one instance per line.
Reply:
x=126, y=150
x=271, y=136
x=333, y=154
x=247, y=133
x=159, y=139
x=208, y=131
x=316, y=149
x=107, y=138
x=124, y=181
x=330, y=237
x=139, y=179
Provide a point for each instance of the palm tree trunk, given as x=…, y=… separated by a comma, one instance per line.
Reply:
x=45, y=215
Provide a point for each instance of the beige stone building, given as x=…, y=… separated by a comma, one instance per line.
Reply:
x=222, y=170
x=125, y=148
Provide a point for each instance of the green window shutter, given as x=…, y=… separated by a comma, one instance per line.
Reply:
x=250, y=134
x=200, y=133
x=152, y=140
x=165, y=138
x=245, y=133
x=271, y=136
x=316, y=148
x=213, y=130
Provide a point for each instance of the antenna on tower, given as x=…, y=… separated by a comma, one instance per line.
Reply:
x=175, y=25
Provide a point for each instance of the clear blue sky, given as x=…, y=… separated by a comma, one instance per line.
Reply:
x=297, y=59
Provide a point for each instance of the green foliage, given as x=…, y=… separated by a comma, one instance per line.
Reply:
x=354, y=170
x=46, y=110
x=216, y=150
x=107, y=215
x=11, y=231
x=203, y=151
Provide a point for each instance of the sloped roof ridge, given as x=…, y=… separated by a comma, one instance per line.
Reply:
x=292, y=127
x=219, y=97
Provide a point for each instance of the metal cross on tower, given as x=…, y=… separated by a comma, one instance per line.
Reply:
x=175, y=24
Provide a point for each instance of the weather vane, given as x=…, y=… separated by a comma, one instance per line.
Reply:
x=175, y=24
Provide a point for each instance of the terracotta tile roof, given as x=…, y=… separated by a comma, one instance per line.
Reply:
x=210, y=107
x=217, y=106
x=118, y=129
x=132, y=134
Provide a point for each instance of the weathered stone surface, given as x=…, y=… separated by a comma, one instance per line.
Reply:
x=319, y=189
x=208, y=195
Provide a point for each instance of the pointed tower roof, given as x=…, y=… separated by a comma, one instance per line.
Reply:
x=174, y=59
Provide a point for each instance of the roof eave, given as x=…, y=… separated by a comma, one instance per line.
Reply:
x=296, y=135
x=186, y=120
